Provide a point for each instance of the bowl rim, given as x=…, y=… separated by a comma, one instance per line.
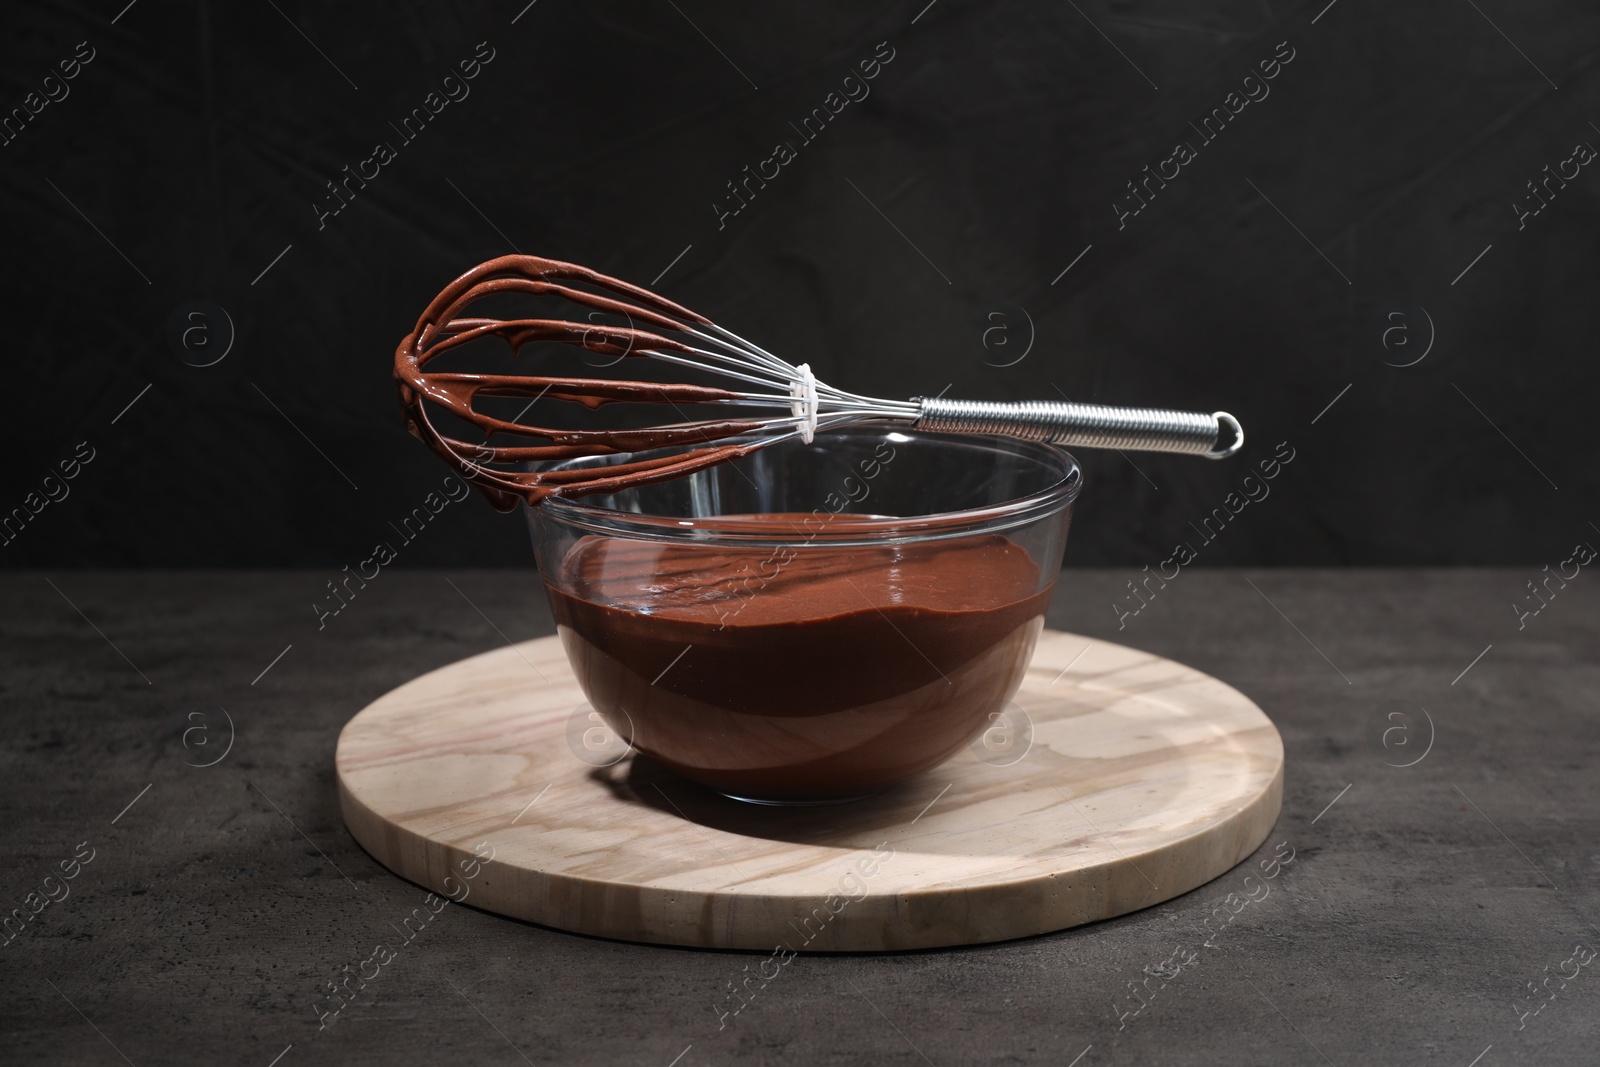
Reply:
x=835, y=529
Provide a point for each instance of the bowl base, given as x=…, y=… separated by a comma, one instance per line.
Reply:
x=764, y=802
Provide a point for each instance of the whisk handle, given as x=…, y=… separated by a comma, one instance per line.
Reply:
x=1065, y=422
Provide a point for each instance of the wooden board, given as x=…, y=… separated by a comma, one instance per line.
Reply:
x=1144, y=779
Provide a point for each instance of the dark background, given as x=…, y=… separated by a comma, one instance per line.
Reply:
x=190, y=150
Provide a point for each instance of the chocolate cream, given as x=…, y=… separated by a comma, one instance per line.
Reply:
x=811, y=672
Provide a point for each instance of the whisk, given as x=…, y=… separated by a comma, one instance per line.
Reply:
x=791, y=401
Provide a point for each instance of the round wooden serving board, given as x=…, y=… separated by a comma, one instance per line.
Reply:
x=1144, y=779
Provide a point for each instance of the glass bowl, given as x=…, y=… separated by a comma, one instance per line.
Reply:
x=811, y=623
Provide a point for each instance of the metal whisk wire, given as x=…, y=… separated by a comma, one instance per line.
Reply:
x=684, y=338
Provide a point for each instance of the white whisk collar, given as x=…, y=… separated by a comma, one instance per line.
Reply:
x=804, y=391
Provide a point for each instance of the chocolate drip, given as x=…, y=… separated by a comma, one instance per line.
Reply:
x=443, y=328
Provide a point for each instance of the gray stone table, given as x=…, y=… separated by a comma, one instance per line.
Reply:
x=1440, y=808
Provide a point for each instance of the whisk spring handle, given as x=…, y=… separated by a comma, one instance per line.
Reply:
x=1065, y=422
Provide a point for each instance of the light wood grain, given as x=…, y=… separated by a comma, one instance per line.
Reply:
x=1145, y=779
